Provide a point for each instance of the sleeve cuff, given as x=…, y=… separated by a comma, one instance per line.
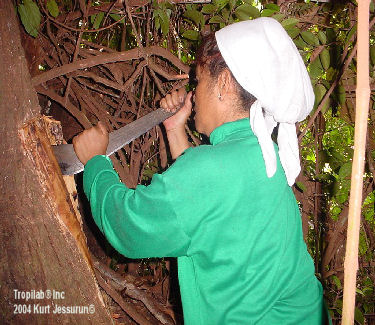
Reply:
x=92, y=168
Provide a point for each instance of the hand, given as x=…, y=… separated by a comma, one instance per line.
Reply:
x=171, y=103
x=91, y=142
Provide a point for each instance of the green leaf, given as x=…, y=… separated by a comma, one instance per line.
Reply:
x=30, y=17
x=157, y=22
x=315, y=69
x=331, y=35
x=290, y=22
x=98, y=20
x=194, y=15
x=368, y=291
x=339, y=304
x=292, y=31
x=310, y=38
x=337, y=154
x=267, y=12
x=208, y=9
x=325, y=58
x=336, y=211
x=350, y=34
x=331, y=74
x=322, y=177
x=337, y=282
x=372, y=54
x=278, y=17
x=169, y=7
x=358, y=316
x=345, y=170
x=319, y=91
x=225, y=13
x=92, y=18
x=245, y=11
x=342, y=190
x=369, y=215
x=363, y=249
x=53, y=8
x=300, y=43
x=232, y=4
x=326, y=105
x=322, y=37
x=156, y=13
x=191, y=35
x=241, y=16
x=301, y=186
x=272, y=6
x=341, y=94
x=164, y=22
x=216, y=20
x=219, y=4
x=148, y=173
x=117, y=17
x=370, y=199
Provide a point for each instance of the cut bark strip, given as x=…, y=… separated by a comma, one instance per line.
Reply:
x=37, y=147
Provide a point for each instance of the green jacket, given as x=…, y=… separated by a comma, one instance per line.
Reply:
x=237, y=233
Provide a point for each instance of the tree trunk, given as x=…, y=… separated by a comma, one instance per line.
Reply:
x=42, y=245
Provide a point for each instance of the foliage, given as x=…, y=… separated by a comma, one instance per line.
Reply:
x=30, y=16
x=325, y=35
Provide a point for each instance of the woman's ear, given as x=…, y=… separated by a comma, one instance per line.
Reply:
x=225, y=83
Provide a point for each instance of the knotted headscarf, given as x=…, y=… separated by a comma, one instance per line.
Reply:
x=266, y=63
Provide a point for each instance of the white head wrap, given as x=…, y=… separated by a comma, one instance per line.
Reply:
x=266, y=63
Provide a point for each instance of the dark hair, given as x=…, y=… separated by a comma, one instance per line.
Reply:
x=209, y=56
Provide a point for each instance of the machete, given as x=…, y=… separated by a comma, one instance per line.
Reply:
x=70, y=164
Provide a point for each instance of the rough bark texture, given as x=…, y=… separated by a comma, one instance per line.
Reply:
x=38, y=250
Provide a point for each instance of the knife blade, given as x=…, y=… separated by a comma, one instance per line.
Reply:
x=70, y=164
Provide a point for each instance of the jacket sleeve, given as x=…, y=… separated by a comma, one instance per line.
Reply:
x=138, y=223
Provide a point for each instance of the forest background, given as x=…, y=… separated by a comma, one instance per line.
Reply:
x=114, y=60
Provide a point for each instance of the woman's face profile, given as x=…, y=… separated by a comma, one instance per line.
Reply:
x=205, y=111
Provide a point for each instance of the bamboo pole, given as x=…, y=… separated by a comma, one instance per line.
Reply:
x=355, y=203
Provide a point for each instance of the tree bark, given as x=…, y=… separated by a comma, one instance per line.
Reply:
x=42, y=245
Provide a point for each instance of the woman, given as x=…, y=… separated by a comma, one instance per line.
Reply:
x=225, y=209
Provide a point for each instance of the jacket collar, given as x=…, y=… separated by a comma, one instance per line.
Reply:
x=231, y=130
